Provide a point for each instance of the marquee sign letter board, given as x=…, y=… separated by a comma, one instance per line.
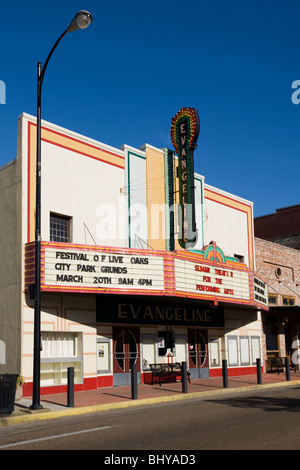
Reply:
x=88, y=269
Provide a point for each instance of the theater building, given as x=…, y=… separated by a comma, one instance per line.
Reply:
x=117, y=285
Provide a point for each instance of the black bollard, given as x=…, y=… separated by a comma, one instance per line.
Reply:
x=258, y=367
x=287, y=369
x=133, y=382
x=224, y=373
x=71, y=387
x=184, y=377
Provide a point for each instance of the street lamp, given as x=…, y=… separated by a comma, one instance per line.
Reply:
x=81, y=20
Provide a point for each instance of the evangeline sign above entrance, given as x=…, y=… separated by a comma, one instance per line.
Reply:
x=133, y=310
x=207, y=274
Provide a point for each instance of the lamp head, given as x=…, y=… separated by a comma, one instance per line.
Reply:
x=81, y=20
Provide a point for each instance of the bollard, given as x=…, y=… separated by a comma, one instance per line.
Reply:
x=184, y=377
x=224, y=373
x=133, y=382
x=70, y=387
x=287, y=369
x=258, y=367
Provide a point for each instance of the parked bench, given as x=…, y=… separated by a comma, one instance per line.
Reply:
x=277, y=364
x=167, y=372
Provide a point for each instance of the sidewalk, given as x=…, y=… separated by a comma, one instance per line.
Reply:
x=55, y=406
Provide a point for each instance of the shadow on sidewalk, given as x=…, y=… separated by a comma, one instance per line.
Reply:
x=268, y=403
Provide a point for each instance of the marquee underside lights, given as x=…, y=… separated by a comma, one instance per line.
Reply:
x=184, y=134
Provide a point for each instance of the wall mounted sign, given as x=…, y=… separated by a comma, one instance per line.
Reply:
x=184, y=134
x=133, y=310
x=196, y=277
x=260, y=291
x=94, y=268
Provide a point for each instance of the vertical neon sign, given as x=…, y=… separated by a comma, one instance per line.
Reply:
x=184, y=134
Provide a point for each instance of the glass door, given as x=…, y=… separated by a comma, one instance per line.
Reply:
x=198, y=354
x=126, y=349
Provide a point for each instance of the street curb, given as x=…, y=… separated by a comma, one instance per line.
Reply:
x=48, y=414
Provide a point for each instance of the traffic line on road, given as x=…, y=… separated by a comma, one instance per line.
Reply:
x=30, y=441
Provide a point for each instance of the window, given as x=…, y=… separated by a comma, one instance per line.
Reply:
x=119, y=350
x=59, y=344
x=180, y=348
x=60, y=228
x=165, y=342
x=214, y=352
x=148, y=350
x=60, y=350
x=232, y=350
x=278, y=272
x=273, y=299
x=245, y=353
x=255, y=347
x=288, y=301
x=240, y=258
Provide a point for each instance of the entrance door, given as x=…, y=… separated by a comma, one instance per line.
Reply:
x=198, y=354
x=126, y=352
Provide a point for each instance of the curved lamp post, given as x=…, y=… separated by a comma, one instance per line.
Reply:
x=81, y=20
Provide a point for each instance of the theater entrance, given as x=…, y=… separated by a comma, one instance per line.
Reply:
x=198, y=354
x=126, y=352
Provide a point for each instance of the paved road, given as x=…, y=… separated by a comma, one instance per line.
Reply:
x=248, y=421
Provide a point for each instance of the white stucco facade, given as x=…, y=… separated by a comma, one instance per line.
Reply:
x=116, y=204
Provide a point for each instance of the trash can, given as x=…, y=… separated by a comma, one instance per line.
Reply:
x=8, y=385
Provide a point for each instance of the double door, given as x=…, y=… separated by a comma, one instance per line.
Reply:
x=126, y=352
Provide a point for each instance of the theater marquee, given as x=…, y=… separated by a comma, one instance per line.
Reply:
x=199, y=278
x=92, y=269
x=207, y=275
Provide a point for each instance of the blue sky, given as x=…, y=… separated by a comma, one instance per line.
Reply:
x=123, y=79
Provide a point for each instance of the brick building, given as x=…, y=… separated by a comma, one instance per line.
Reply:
x=280, y=267
x=282, y=227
